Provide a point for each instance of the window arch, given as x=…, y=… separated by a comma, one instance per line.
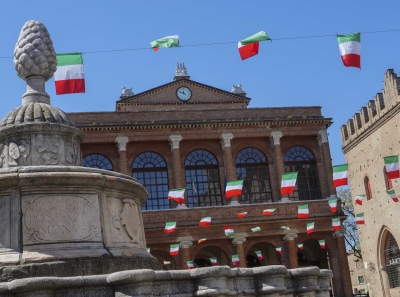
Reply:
x=97, y=161
x=388, y=181
x=300, y=159
x=151, y=170
x=392, y=261
x=252, y=167
x=367, y=186
x=202, y=179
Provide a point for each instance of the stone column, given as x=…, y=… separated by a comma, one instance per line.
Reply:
x=122, y=141
x=228, y=160
x=179, y=180
x=292, y=249
x=344, y=265
x=323, y=136
x=185, y=252
x=279, y=163
x=238, y=242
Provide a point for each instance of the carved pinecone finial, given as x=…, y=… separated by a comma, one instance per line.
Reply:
x=34, y=52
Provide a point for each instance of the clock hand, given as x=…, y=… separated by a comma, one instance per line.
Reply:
x=182, y=92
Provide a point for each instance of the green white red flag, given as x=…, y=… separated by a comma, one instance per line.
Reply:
x=69, y=77
x=279, y=250
x=170, y=227
x=174, y=249
x=148, y=250
x=302, y=212
x=214, y=261
x=190, y=264
x=167, y=262
x=201, y=240
x=248, y=47
x=393, y=195
x=333, y=204
x=350, y=49
x=165, y=42
x=259, y=255
x=235, y=260
x=392, y=166
x=256, y=229
x=288, y=182
x=177, y=195
x=234, y=188
x=322, y=243
x=206, y=222
x=229, y=231
x=360, y=219
x=285, y=228
x=300, y=246
x=268, y=211
x=340, y=175
x=310, y=228
x=336, y=224
x=359, y=199
x=241, y=215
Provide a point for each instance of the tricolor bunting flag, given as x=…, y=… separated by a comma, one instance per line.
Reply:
x=170, y=227
x=235, y=260
x=392, y=166
x=322, y=243
x=177, y=195
x=190, y=264
x=256, y=229
x=310, y=227
x=165, y=42
x=333, y=204
x=393, y=195
x=241, y=215
x=174, y=249
x=166, y=262
x=279, y=250
x=336, y=224
x=350, y=48
x=288, y=182
x=248, y=47
x=201, y=240
x=285, y=228
x=300, y=246
x=340, y=175
x=259, y=255
x=360, y=219
x=69, y=77
x=303, y=212
x=214, y=261
x=206, y=222
x=229, y=231
x=359, y=199
x=148, y=250
x=234, y=188
x=268, y=211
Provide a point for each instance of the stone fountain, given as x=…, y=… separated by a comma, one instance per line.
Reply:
x=68, y=230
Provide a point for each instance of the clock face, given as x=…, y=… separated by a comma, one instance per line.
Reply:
x=184, y=93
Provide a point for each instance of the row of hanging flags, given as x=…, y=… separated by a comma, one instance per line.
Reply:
x=69, y=77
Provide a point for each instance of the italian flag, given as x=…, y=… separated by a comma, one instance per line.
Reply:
x=336, y=224
x=206, y=222
x=165, y=42
x=229, y=231
x=190, y=264
x=234, y=188
x=201, y=240
x=241, y=215
x=322, y=243
x=349, y=47
x=340, y=175
x=279, y=250
x=285, y=228
x=177, y=195
x=288, y=182
x=174, y=249
x=392, y=166
x=69, y=75
x=333, y=204
x=393, y=195
x=310, y=228
x=170, y=227
x=148, y=250
x=303, y=211
x=360, y=219
x=214, y=261
x=268, y=211
x=259, y=255
x=235, y=260
x=359, y=199
x=248, y=47
x=256, y=229
x=300, y=246
x=167, y=262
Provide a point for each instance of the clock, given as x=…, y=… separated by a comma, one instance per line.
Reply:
x=184, y=93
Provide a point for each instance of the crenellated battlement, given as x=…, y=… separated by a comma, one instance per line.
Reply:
x=374, y=110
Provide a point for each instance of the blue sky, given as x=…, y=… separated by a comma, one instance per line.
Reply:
x=297, y=72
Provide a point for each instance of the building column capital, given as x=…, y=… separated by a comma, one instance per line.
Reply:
x=290, y=236
x=185, y=244
x=238, y=240
x=121, y=142
x=322, y=136
x=338, y=233
x=174, y=141
x=226, y=139
x=276, y=137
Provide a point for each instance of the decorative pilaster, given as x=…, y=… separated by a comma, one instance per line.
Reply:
x=179, y=181
x=228, y=162
x=185, y=255
x=324, y=143
x=279, y=163
x=344, y=265
x=292, y=249
x=122, y=141
x=238, y=242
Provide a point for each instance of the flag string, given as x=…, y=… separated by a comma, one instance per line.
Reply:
x=223, y=43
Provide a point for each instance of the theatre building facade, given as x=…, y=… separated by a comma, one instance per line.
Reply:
x=186, y=134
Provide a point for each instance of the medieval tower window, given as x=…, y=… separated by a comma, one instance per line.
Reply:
x=367, y=186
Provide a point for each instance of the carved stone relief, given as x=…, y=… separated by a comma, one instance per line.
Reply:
x=14, y=153
x=5, y=226
x=48, y=148
x=70, y=153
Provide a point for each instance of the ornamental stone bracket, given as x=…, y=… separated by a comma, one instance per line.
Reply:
x=290, y=236
x=276, y=137
x=185, y=244
x=121, y=142
x=238, y=240
x=174, y=141
x=226, y=139
x=322, y=136
x=338, y=233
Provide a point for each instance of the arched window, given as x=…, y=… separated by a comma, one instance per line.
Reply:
x=202, y=179
x=300, y=159
x=97, y=161
x=388, y=181
x=367, y=186
x=252, y=167
x=392, y=259
x=151, y=170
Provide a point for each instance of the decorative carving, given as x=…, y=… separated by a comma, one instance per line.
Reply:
x=237, y=89
x=48, y=151
x=174, y=141
x=69, y=154
x=323, y=136
x=290, y=236
x=127, y=92
x=185, y=244
x=128, y=220
x=276, y=137
x=226, y=139
x=17, y=153
x=238, y=240
x=180, y=69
